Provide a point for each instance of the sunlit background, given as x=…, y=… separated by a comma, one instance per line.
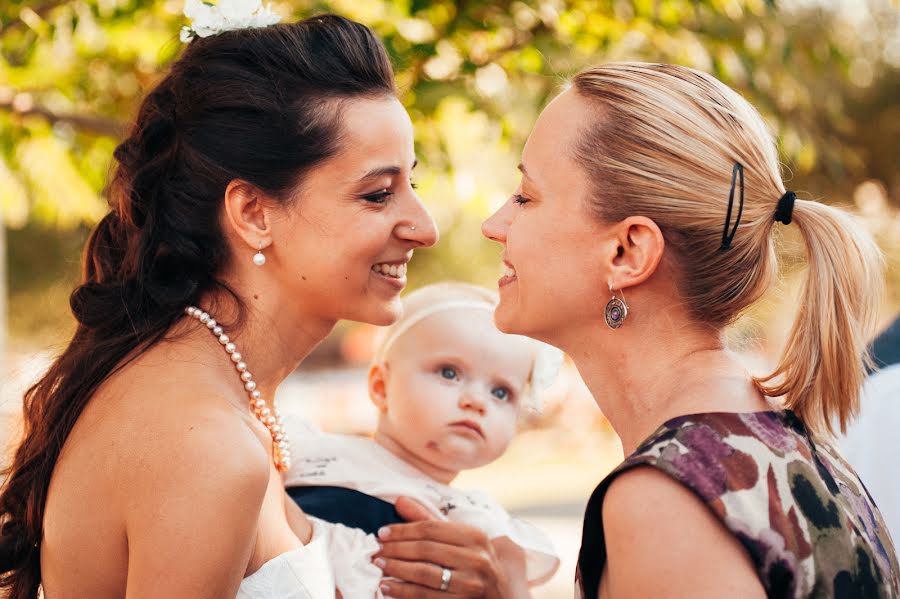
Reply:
x=473, y=75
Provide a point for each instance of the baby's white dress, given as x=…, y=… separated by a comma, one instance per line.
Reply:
x=361, y=464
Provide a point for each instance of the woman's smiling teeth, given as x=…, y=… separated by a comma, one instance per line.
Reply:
x=396, y=271
x=507, y=274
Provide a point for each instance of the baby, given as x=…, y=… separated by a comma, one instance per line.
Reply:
x=449, y=388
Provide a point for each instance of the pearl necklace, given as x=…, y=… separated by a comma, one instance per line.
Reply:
x=271, y=419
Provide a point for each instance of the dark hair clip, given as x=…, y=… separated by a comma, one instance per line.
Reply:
x=726, y=236
x=785, y=208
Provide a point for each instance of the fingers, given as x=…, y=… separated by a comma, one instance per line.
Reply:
x=411, y=510
x=450, y=533
x=417, y=579
x=409, y=553
x=401, y=590
x=449, y=556
x=418, y=573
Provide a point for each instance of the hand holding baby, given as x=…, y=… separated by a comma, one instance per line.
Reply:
x=465, y=550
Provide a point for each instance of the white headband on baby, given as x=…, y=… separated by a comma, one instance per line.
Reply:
x=395, y=332
x=547, y=359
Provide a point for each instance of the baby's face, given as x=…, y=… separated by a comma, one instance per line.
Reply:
x=454, y=387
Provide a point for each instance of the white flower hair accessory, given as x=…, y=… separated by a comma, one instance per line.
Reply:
x=227, y=15
x=547, y=362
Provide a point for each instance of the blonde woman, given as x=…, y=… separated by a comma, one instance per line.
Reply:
x=645, y=223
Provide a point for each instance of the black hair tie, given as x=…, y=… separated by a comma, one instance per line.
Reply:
x=726, y=236
x=785, y=208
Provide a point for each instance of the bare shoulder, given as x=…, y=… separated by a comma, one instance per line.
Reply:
x=204, y=440
x=180, y=426
x=197, y=484
x=661, y=540
x=213, y=440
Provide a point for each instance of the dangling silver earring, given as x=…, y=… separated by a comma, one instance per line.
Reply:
x=616, y=311
x=258, y=258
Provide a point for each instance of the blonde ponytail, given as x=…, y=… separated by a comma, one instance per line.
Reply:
x=823, y=365
x=665, y=144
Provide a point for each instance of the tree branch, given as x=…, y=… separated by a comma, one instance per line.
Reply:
x=92, y=124
x=41, y=11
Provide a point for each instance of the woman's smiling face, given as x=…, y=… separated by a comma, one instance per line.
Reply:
x=342, y=248
x=551, y=243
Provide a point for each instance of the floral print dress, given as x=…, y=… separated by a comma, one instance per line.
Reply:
x=796, y=506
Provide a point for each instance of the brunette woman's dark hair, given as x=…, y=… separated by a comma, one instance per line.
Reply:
x=260, y=105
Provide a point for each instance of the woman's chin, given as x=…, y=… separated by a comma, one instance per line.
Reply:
x=511, y=320
x=507, y=318
x=382, y=313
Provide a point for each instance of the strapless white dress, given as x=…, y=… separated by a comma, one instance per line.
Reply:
x=303, y=573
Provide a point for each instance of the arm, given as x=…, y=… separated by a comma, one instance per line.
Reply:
x=191, y=519
x=662, y=541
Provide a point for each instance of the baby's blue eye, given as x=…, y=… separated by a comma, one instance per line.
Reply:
x=501, y=393
x=448, y=372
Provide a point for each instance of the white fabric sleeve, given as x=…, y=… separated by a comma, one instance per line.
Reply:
x=350, y=552
x=540, y=555
x=477, y=509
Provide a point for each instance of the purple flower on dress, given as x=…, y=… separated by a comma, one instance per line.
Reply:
x=859, y=505
x=770, y=430
x=701, y=467
x=867, y=518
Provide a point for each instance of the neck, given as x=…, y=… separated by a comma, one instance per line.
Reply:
x=650, y=371
x=436, y=473
x=274, y=336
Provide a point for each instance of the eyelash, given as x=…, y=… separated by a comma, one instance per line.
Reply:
x=380, y=197
x=520, y=199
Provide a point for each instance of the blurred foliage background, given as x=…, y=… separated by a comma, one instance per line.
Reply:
x=474, y=75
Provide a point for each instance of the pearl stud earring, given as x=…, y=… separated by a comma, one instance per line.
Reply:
x=258, y=258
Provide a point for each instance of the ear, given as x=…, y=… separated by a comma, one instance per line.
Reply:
x=247, y=215
x=378, y=374
x=638, y=251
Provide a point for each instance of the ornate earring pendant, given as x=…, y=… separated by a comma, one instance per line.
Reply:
x=258, y=258
x=616, y=311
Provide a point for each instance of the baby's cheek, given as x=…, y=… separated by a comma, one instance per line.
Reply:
x=423, y=419
x=504, y=433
